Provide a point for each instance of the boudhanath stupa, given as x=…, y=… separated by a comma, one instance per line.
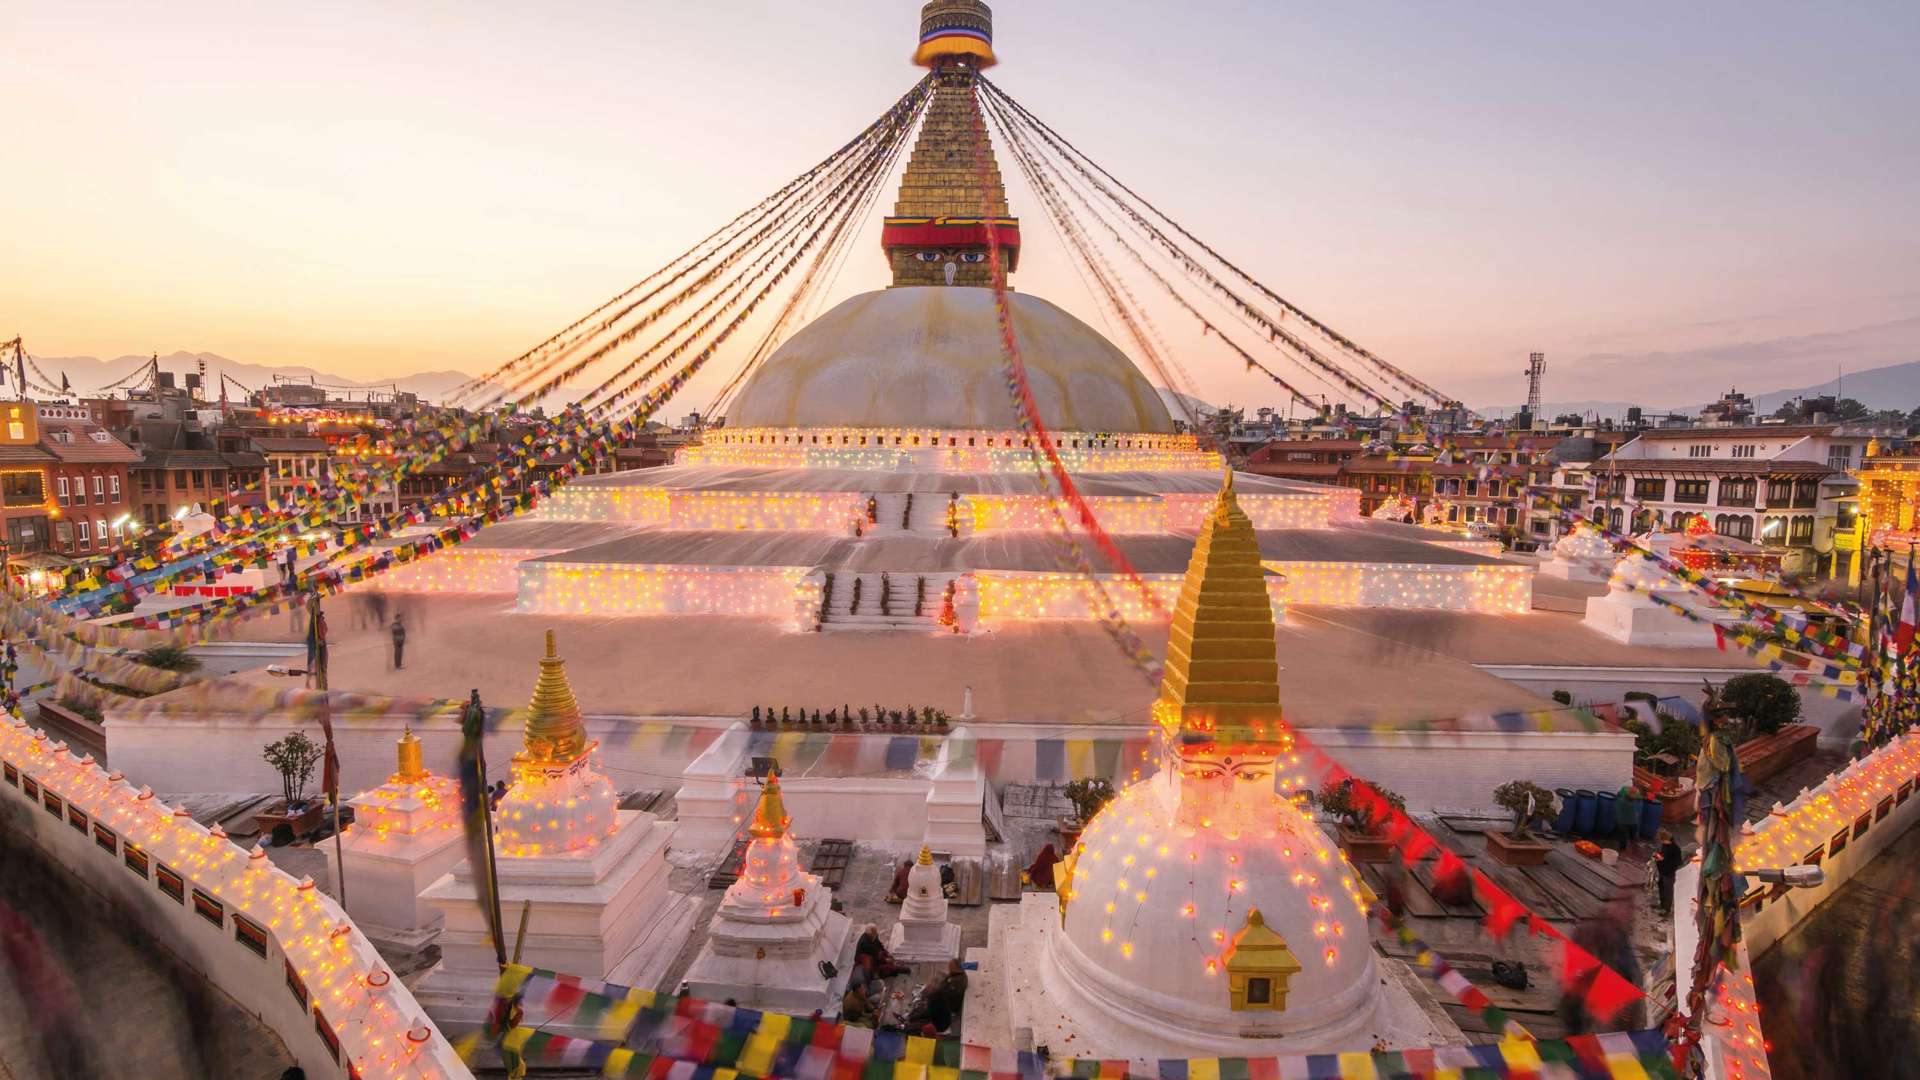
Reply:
x=1202, y=912
x=873, y=473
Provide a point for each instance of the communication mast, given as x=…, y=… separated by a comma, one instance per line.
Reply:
x=1536, y=370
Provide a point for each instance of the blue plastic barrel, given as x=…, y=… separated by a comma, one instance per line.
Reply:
x=1650, y=810
x=1563, y=824
x=1584, y=811
x=1603, y=814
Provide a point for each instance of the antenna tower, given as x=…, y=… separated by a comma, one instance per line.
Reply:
x=1536, y=370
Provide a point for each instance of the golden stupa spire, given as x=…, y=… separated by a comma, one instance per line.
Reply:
x=411, y=767
x=770, y=819
x=1222, y=682
x=951, y=192
x=556, y=734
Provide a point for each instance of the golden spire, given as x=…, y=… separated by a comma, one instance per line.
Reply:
x=411, y=767
x=770, y=818
x=556, y=734
x=926, y=855
x=1222, y=682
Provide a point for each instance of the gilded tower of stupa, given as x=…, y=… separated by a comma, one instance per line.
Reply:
x=951, y=192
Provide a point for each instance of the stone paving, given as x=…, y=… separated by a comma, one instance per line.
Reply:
x=1838, y=993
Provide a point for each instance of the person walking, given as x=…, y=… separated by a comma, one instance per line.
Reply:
x=399, y=643
x=1670, y=860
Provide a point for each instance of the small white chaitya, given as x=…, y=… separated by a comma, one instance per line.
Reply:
x=956, y=801
x=590, y=877
x=923, y=932
x=405, y=834
x=1581, y=555
x=1638, y=608
x=775, y=928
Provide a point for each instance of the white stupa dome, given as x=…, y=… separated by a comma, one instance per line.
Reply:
x=1170, y=873
x=1584, y=542
x=931, y=358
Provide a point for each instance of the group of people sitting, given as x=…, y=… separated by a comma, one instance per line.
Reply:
x=865, y=1000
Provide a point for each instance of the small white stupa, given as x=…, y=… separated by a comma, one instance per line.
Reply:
x=923, y=932
x=406, y=833
x=1581, y=555
x=592, y=878
x=775, y=928
x=1638, y=608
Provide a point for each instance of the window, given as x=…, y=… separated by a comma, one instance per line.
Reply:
x=113, y=486
x=1881, y=811
x=1861, y=825
x=63, y=490
x=1800, y=531
x=30, y=787
x=1806, y=493
x=208, y=908
x=1259, y=991
x=135, y=859
x=180, y=481
x=104, y=837
x=1840, y=457
x=1779, y=493
x=1736, y=492
x=1738, y=526
x=82, y=526
x=327, y=1035
x=1698, y=450
x=1838, y=843
x=100, y=529
x=249, y=933
x=170, y=883
x=1691, y=491
x=99, y=487
x=77, y=818
x=13, y=777
x=1650, y=488
x=1745, y=451
x=27, y=488
x=1906, y=789
x=52, y=802
x=199, y=478
x=295, y=986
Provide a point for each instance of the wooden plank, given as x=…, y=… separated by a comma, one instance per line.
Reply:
x=728, y=871
x=1540, y=901
x=1573, y=899
x=1424, y=874
x=1589, y=874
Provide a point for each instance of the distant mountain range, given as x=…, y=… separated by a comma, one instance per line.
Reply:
x=88, y=374
x=1894, y=387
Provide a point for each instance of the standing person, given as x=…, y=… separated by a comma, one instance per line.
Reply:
x=1670, y=861
x=399, y=643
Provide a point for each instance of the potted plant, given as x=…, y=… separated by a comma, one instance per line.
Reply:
x=1087, y=795
x=1363, y=824
x=293, y=757
x=1528, y=802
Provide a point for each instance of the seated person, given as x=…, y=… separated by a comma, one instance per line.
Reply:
x=855, y=1008
x=897, y=892
x=1040, y=872
x=870, y=949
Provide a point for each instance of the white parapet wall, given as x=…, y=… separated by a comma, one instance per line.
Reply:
x=1840, y=825
x=275, y=944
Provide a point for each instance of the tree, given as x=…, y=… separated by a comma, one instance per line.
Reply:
x=294, y=757
x=1337, y=797
x=1760, y=704
x=1088, y=795
x=169, y=658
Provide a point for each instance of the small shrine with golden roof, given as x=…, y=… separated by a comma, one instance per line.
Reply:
x=405, y=834
x=775, y=927
x=589, y=879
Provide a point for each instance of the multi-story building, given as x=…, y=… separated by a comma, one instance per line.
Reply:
x=26, y=507
x=88, y=479
x=293, y=461
x=1779, y=485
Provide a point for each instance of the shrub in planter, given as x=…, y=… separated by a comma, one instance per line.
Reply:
x=1087, y=795
x=1760, y=704
x=1362, y=821
x=1528, y=802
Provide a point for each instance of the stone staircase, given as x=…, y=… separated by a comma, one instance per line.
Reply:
x=922, y=512
x=899, y=608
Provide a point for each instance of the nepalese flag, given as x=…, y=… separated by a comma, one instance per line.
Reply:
x=1903, y=635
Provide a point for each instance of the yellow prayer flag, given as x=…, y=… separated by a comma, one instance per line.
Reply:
x=909, y=1070
x=1625, y=1067
x=1357, y=1066
x=617, y=1062
x=1203, y=1069
x=756, y=1057
x=919, y=1050
x=516, y=1039
x=511, y=978
x=1521, y=1054
x=776, y=1025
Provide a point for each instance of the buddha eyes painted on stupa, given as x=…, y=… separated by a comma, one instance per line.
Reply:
x=954, y=256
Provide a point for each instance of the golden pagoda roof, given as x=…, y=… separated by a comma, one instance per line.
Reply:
x=770, y=817
x=555, y=734
x=1222, y=680
x=1258, y=948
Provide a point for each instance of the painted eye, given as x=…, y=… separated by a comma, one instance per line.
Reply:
x=974, y=257
x=927, y=256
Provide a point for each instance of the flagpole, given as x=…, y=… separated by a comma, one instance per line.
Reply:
x=317, y=665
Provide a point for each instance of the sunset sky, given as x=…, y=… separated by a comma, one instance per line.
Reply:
x=1667, y=199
